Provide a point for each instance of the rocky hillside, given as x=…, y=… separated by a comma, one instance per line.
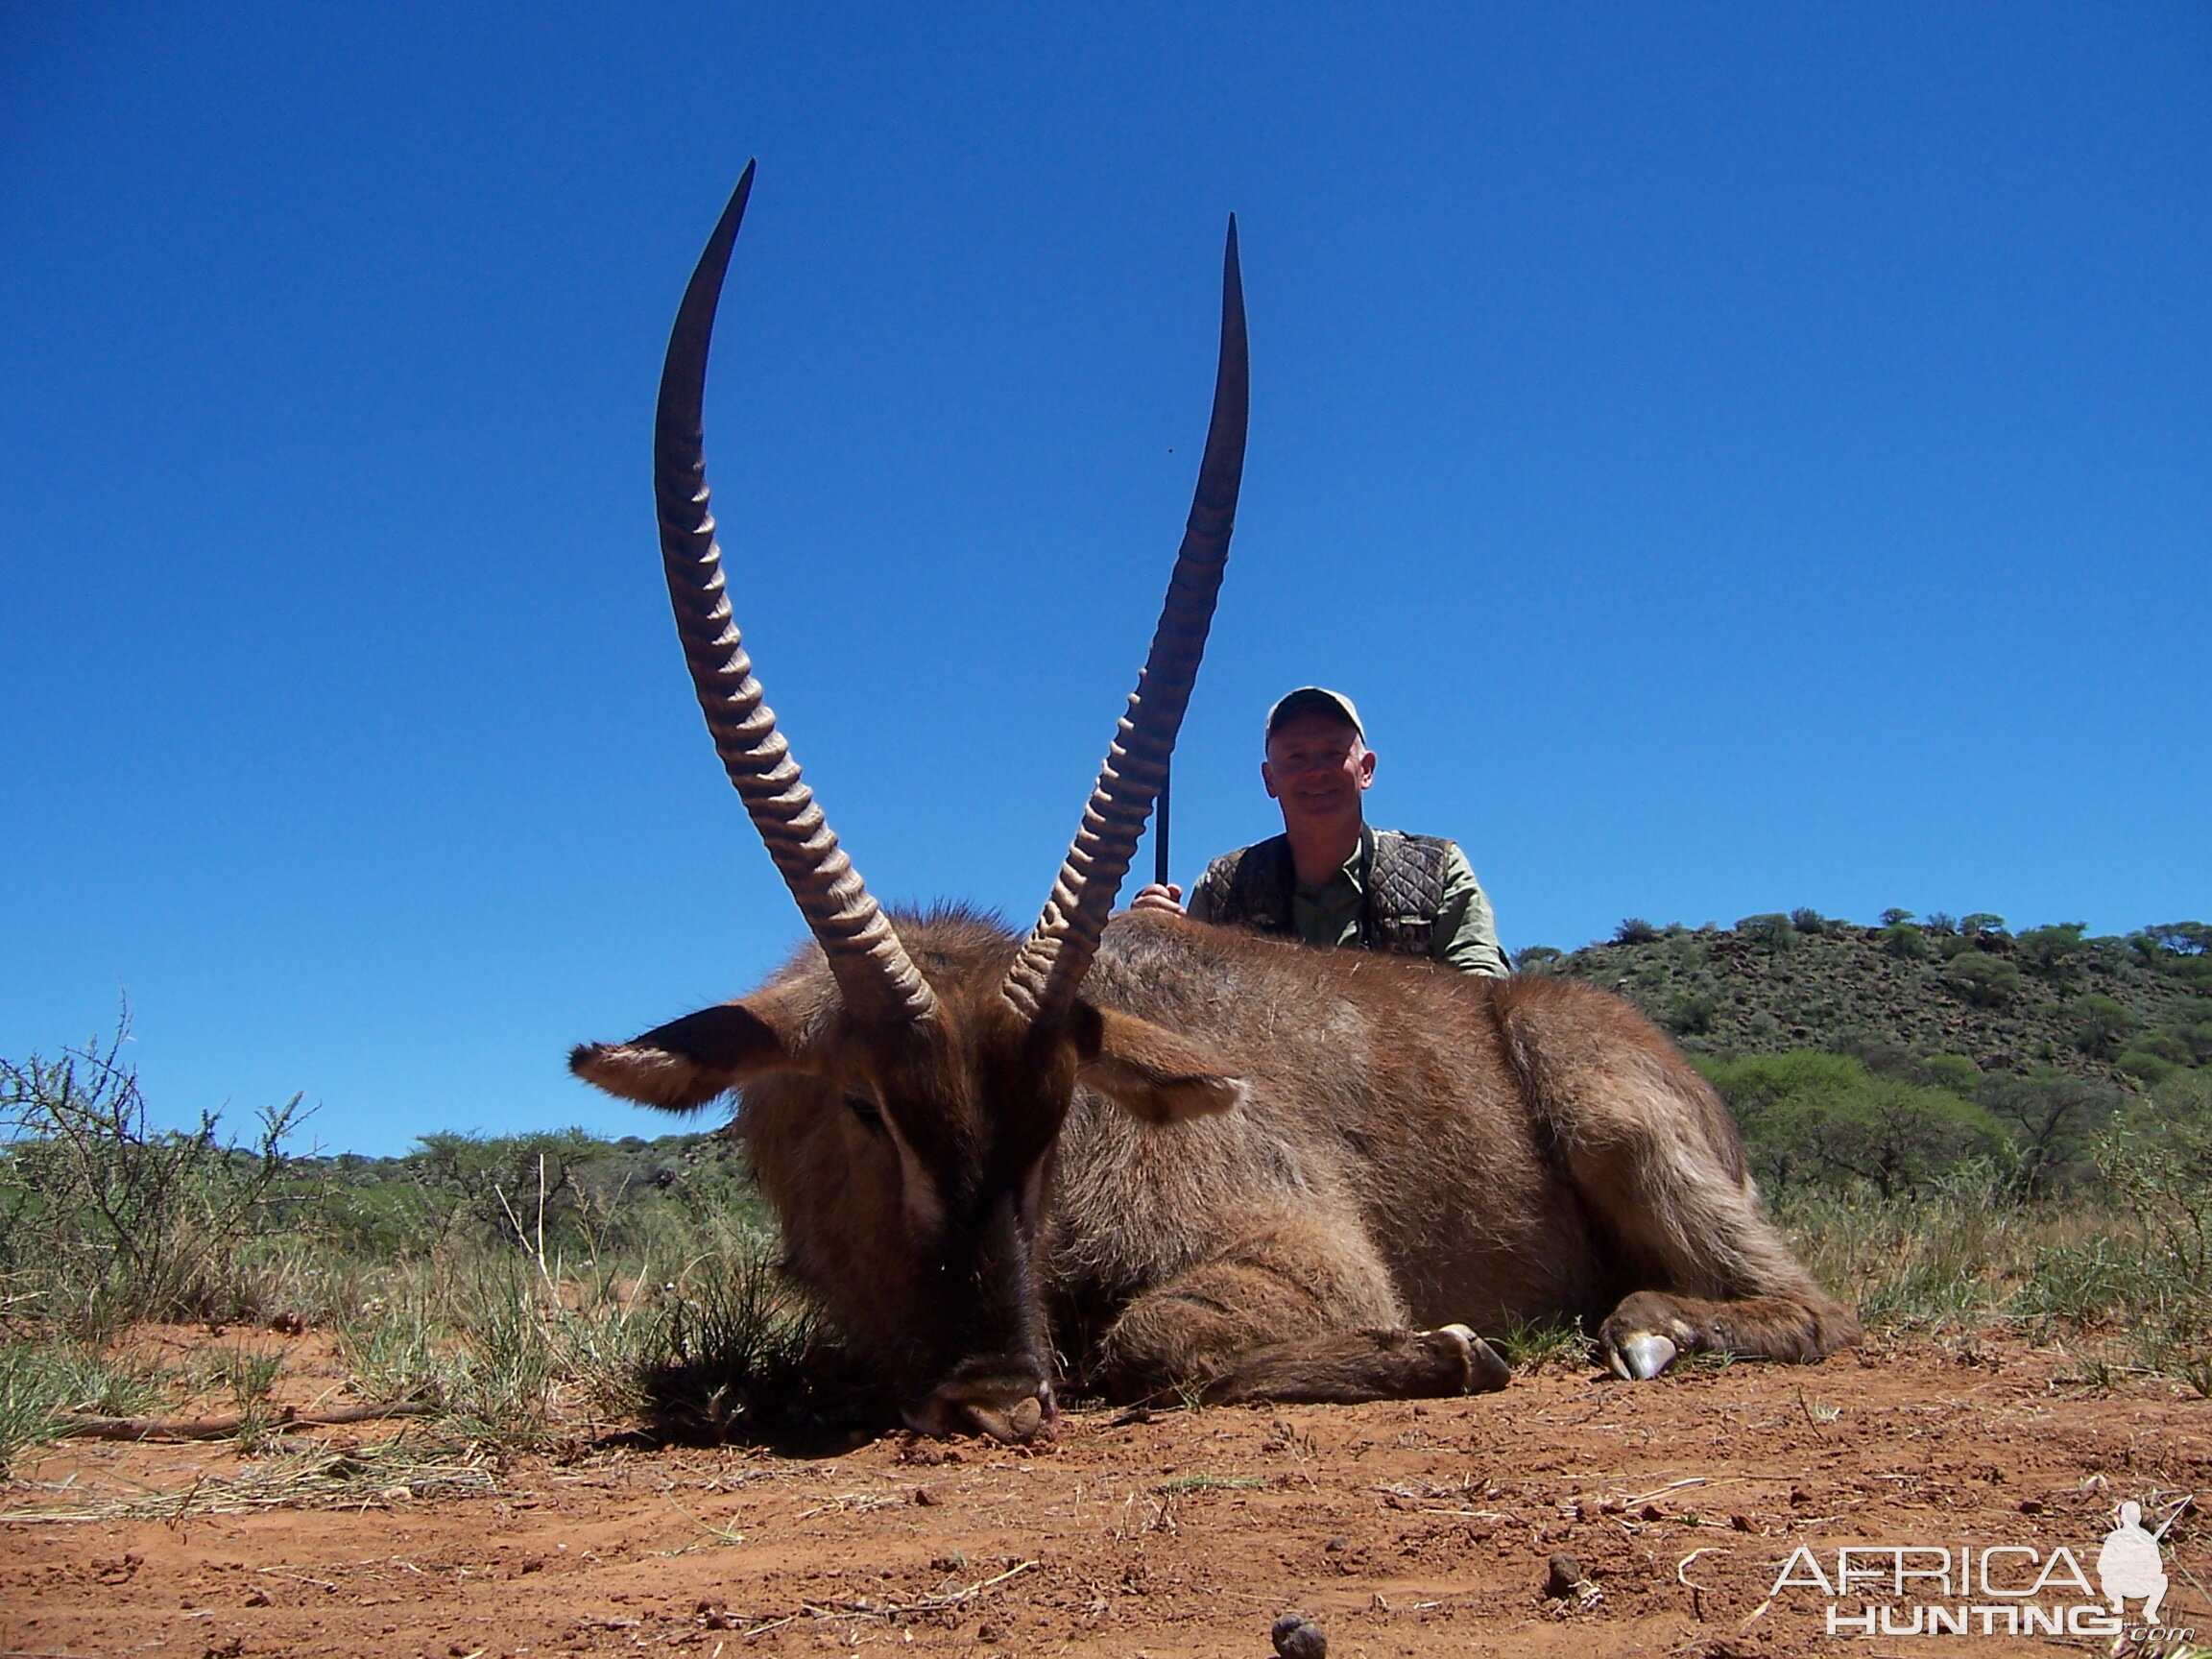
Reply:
x=2129, y=1010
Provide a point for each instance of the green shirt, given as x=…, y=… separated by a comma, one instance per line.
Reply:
x=1465, y=936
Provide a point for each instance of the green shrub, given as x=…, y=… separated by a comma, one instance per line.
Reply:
x=1772, y=931
x=2052, y=1124
x=2170, y=1046
x=1953, y=1072
x=2150, y=1069
x=2192, y=1028
x=1635, y=930
x=2170, y=939
x=1817, y=1118
x=1980, y=923
x=2157, y=1163
x=549, y=1192
x=105, y=1219
x=1986, y=981
x=1690, y=1014
x=1905, y=941
x=1533, y=959
x=2054, y=953
x=2099, y=1024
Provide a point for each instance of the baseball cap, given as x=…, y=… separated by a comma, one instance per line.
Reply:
x=1314, y=699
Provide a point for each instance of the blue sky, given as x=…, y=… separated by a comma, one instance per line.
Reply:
x=1739, y=456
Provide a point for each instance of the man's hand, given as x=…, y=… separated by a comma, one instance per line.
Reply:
x=1165, y=897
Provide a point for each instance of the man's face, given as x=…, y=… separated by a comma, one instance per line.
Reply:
x=1317, y=767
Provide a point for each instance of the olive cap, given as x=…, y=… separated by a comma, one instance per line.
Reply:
x=1310, y=700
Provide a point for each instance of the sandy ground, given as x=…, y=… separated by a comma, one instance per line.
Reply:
x=1401, y=1529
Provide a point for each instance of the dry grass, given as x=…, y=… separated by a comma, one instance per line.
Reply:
x=661, y=1314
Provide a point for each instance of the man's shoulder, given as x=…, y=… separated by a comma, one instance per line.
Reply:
x=1436, y=850
x=1229, y=862
x=1419, y=873
x=1238, y=885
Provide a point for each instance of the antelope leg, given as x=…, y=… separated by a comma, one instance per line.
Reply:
x=1293, y=1310
x=1384, y=1364
x=1649, y=1329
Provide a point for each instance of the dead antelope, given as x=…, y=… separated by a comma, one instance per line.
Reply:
x=1171, y=1153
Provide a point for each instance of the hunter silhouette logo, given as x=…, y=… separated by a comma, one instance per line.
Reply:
x=1995, y=1589
x=2129, y=1566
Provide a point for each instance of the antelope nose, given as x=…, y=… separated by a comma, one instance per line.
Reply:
x=1016, y=1424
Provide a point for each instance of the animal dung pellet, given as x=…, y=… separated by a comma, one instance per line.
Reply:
x=1296, y=1639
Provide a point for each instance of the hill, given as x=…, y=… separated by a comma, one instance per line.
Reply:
x=2125, y=1010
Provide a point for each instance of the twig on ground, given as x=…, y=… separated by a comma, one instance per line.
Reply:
x=223, y=1427
x=1670, y=1486
x=892, y=1610
x=1697, y=1591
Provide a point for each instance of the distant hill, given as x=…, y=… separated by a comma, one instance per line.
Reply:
x=2127, y=1010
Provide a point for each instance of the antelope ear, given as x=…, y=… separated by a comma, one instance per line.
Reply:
x=687, y=1062
x=1150, y=1072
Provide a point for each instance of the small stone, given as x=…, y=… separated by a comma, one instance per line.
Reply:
x=1295, y=1639
x=988, y=1633
x=1338, y=1546
x=928, y=1499
x=1562, y=1576
x=257, y=1598
x=2030, y=1505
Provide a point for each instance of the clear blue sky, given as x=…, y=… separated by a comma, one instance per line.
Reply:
x=1739, y=456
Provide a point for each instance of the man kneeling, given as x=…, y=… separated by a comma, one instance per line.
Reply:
x=1329, y=878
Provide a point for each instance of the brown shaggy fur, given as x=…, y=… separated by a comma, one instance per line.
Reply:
x=1252, y=1168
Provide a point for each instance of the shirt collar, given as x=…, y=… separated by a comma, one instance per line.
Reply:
x=1354, y=868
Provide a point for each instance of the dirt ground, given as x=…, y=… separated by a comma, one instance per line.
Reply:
x=1400, y=1529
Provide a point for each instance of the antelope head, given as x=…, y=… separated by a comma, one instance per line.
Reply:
x=903, y=1104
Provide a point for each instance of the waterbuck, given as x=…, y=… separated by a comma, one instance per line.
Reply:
x=1156, y=1153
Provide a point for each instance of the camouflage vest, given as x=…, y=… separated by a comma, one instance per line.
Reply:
x=1405, y=889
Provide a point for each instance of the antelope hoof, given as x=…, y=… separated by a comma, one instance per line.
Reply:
x=1640, y=1357
x=1486, y=1368
x=1016, y=1426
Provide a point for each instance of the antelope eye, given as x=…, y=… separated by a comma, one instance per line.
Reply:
x=870, y=1115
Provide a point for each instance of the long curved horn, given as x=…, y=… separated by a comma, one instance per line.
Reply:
x=879, y=979
x=1044, y=977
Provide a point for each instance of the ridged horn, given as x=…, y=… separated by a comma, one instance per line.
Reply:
x=879, y=979
x=1052, y=961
